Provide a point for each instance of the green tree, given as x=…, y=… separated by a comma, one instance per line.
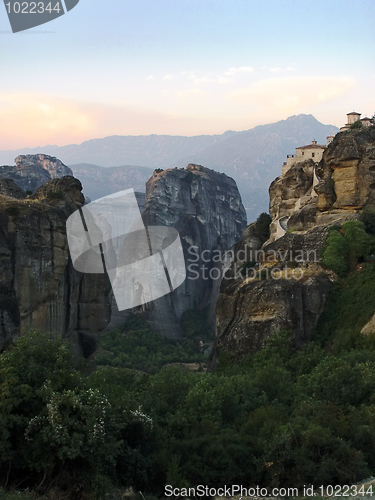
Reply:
x=263, y=225
x=335, y=252
x=356, y=125
x=368, y=218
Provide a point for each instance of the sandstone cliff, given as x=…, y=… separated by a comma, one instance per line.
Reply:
x=284, y=285
x=206, y=209
x=334, y=190
x=39, y=287
x=32, y=171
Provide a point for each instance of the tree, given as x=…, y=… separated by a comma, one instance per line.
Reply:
x=263, y=225
x=356, y=125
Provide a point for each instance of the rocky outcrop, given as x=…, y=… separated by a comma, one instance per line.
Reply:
x=348, y=169
x=293, y=195
x=314, y=194
x=39, y=287
x=251, y=311
x=206, y=209
x=10, y=189
x=286, y=288
x=32, y=171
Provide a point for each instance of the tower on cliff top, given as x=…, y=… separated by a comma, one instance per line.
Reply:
x=313, y=151
x=352, y=118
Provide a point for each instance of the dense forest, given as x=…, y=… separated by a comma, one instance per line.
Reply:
x=283, y=417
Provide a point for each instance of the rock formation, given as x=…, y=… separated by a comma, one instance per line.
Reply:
x=283, y=286
x=39, y=287
x=251, y=311
x=32, y=171
x=206, y=209
x=334, y=190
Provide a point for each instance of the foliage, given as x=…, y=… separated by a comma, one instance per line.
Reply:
x=263, y=226
x=55, y=195
x=360, y=243
x=356, y=125
x=368, y=218
x=189, y=177
x=158, y=170
x=280, y=418
x=134, y=345
x=53, y=424
x=350, y=306
x=345, y=247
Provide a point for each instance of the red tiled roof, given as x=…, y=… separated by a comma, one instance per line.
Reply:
x=312, y=146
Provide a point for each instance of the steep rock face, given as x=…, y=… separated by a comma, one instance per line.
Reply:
x=9, y=188
x=287, y=287
x=206, y=209
x=39, y=287
x=343, y=183
x=293, y=194
x=32, y=171
x=249, y=312
x=348, y=171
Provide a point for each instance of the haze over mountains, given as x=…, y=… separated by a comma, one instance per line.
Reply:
x=252, y=157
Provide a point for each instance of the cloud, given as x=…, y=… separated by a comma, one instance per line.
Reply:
x=241, y=69
x=168, y=77
x=291, y=93
x=150, y=77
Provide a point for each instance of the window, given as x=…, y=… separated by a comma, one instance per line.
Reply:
x=312, y=154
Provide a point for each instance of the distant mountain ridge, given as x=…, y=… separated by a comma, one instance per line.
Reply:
x=252, y=157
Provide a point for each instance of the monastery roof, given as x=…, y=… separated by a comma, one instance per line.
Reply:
x=312, y=146
x=366, y=118
x=353, y=113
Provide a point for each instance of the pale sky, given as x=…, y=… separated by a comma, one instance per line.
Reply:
x=184, y=67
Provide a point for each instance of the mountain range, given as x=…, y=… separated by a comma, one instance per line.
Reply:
x=252, y=157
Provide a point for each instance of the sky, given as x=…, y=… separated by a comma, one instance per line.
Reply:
x=184, y=67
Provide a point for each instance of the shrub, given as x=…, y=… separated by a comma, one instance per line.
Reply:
x=356, y=125
x=158, y=170
x=189, y=177
x=368, y=218
x=263, y=225
x=360, y=243
x=55, y=195
x=335, y=253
